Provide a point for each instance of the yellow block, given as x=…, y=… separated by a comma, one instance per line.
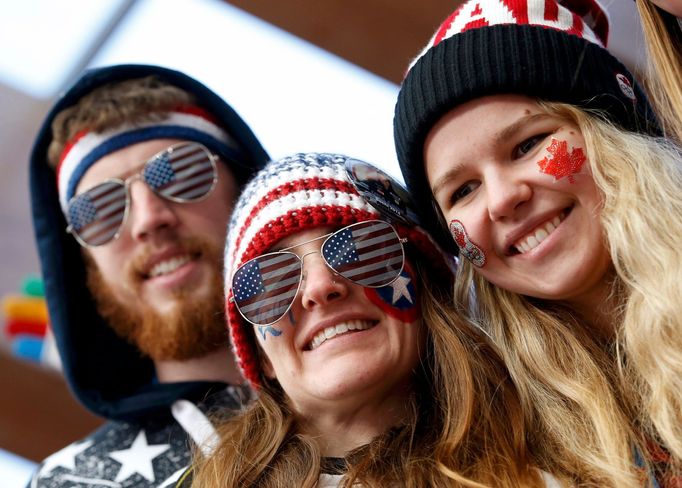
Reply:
x=25, y=308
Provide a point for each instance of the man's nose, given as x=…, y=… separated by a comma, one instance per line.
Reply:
x=149, y=213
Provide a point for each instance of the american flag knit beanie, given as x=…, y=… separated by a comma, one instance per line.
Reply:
x=554, y=50
x=287, y=196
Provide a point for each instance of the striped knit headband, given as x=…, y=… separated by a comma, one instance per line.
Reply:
x=86, y=148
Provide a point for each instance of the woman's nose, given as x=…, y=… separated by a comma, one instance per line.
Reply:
x=321, y=285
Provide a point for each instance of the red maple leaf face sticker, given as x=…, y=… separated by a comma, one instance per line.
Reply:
x=562, y=163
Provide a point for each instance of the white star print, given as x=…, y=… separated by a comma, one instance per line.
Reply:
x=66, y=458
x=400, y=289
x=138, y=458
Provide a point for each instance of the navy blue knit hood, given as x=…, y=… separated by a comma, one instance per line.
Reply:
x=106, y=373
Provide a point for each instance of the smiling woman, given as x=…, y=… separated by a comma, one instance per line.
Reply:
x=564, y=202
x=364, y=377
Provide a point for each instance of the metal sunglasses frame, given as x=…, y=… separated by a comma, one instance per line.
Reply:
x=301, y=275
x=139, y=176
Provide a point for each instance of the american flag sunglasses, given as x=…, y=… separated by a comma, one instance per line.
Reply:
x=367, y=253
x=183, y=172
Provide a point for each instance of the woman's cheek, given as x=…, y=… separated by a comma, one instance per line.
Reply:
x=399, y=299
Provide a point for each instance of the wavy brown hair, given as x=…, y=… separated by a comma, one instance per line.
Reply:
x=466, y=427
x=595, y=406
x=111, y=105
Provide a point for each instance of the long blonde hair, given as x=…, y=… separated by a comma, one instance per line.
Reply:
x=663, y=38
x=466, y=428
x=595, y=405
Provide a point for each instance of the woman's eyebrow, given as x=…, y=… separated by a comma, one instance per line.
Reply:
x=449, y=175
x=512, y=129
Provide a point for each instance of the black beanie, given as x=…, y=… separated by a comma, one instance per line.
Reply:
x=546, y=49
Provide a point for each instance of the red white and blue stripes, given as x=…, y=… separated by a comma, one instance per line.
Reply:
x=86, y=148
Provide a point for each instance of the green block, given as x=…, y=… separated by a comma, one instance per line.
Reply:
x=32, y=285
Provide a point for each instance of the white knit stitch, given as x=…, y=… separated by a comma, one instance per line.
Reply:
x=291, y=169
x=497, y=12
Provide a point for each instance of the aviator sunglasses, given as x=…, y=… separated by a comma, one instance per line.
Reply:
x=367, y=253
x=183, y=172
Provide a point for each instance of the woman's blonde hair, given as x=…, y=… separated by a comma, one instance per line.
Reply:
x=596, y=406
x=663, y=38
x=466, y=428
x=111, y=105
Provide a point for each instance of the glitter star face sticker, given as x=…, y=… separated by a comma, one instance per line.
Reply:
x=399, y=299
x=561, y=163
x=466, y=246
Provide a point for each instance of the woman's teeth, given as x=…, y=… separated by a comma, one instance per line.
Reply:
x=169, y=265
x=533, y=239
x=339, y=329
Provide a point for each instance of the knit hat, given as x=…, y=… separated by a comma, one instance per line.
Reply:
x=300, y=192
x=547, y=49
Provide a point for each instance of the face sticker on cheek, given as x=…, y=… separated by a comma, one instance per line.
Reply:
x=466, y=246
x=399, y=299
x=264, y=329
x=561, y=163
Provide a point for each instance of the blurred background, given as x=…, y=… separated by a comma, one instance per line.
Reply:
x=306, y=75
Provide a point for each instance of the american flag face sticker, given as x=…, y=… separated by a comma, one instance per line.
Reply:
x=184, y=172
x=367, y=253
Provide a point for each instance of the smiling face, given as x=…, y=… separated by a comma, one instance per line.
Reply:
x=514, y=183
x=341, y=345
x=166, y=259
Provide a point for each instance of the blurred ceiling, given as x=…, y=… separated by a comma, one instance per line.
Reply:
x=382, y=36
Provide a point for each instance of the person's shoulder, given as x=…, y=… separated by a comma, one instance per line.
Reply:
x=149, y=454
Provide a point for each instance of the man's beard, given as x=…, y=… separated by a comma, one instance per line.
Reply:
x=194, y=327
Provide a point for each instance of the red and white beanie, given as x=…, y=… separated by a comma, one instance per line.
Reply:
x=293, y=194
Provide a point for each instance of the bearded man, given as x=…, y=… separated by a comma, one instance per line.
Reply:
x=133, y=177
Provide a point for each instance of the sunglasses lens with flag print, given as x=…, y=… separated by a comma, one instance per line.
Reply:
x=367, y=253
x=184, y=172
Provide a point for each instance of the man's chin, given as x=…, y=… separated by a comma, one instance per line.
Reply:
x=185, y=324
x=192, y=328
